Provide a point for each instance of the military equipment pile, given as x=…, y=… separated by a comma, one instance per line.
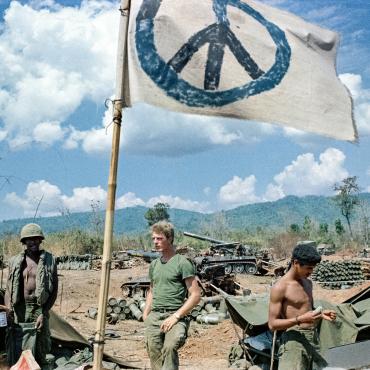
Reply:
x=339, y=274
x=76, y=262
x=211, y=310
x=93, y=262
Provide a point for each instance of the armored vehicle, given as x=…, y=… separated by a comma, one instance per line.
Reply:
x=233, y=256
x=145, y=255
x=135, y=287
x=208, y=277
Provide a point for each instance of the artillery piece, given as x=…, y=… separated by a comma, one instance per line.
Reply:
x=234, y=256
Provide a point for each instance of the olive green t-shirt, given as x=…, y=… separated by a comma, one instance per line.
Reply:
x=168, y=280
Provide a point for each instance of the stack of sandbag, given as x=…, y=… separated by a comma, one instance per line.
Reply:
x=338, y=274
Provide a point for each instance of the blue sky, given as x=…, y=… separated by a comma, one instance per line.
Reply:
x=57, y=67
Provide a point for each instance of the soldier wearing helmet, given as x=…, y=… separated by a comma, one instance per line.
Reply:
x=31, y=291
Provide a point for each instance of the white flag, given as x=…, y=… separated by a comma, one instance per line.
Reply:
x=237, y=58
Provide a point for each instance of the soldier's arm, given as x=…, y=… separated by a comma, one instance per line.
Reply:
x=54, y=294
x=193, y=298
x=148, y=303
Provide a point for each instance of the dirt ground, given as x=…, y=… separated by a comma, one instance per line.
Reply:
x=207, y=346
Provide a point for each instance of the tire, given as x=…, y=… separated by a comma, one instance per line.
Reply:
x=228, y=269
x=126, y=291
x=250, y=268
x=238, y=268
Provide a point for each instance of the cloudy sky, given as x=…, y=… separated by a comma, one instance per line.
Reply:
x=57, y=68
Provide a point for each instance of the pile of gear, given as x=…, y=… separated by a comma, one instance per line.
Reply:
x=210, y=310
x=76, y=262
x=119, y=309
x=339, y=274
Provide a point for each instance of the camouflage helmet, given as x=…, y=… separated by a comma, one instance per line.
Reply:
x=31, y=231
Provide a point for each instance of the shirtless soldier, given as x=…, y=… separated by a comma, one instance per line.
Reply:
x=31, y=291
x=291, y=309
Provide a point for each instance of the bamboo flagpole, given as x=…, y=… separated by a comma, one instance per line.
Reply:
x=112, y=185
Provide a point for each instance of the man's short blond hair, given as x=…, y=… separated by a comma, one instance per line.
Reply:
x=165, y=228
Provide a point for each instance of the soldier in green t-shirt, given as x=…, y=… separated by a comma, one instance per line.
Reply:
x=172, y=278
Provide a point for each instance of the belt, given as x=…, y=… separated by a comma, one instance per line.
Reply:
x=163, y=310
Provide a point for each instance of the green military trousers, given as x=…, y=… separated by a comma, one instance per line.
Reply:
x=299, y=350
x=162, y=347
x=23, y=335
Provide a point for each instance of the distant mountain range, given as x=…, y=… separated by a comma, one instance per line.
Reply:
x=273, y=215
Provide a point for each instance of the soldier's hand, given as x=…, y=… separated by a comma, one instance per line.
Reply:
x=329, y=315
x=168, y=323
x=309, y=317
x=39, y=322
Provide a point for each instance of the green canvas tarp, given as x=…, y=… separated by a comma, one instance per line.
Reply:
x=352, y=323
x=62, y=333
x=250, y=312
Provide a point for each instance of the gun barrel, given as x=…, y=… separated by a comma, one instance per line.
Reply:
x=205, y=238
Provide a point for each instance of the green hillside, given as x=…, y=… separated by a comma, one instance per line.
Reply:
x=274, y=215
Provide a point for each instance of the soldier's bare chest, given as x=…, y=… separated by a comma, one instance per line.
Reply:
x=29, y=269
x=298, y=294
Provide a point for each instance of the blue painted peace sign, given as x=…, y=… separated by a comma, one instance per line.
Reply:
x=166, y=74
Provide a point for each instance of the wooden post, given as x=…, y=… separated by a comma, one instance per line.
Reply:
x=112, y=185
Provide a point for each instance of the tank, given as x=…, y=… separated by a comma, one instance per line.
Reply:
x=208, y=277
x=147, y=256
x=233, y=256
x=135, y=287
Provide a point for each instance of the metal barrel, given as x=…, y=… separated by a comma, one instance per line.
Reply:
x=109, y=309
x=205, y=238
x=194, y=313
x=212, y=299
x=113, y=318
x=121, y=302
x=223, y=308
x=142, y=304
x=126, y=310
x=112, y=301
x=136, y=312
x=223, y=315
x=117, y=309
x=209, y=308
x=211, y=318
x=92, y=313
x=122, y=316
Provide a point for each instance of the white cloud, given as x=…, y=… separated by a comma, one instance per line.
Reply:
x=154, y=131
x=82, y=198
x=177, y=202
x=51, y=59
x=306, y=176
x=3, y=135
x=129, y=200
x=49, y=200
x=48, y=132
x=149, y=130
x=41, y=196
x=238, y=191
